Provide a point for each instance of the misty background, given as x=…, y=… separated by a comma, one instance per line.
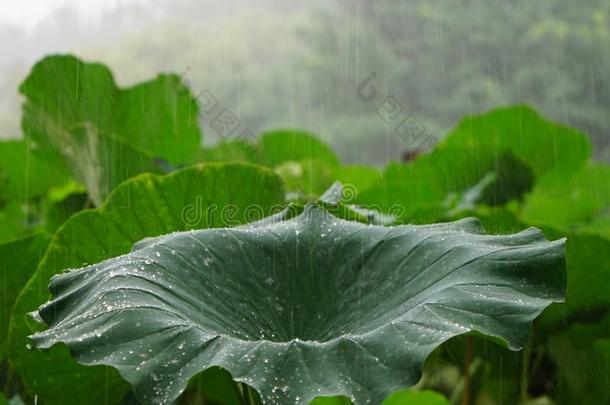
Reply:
x=277, y=64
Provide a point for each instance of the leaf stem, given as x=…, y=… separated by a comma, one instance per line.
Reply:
x=525, y=365
x=467, y=362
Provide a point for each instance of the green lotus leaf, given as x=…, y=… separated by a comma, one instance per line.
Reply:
x=158, y=116
x=299, y=308
x=106, y=134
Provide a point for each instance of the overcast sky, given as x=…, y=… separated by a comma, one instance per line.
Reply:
x=28, y=13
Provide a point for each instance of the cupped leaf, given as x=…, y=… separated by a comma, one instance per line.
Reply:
x=158, y=116
x=203, y=196
x=298, y=308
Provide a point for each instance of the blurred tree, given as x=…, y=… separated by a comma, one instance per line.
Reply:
x=278, y=64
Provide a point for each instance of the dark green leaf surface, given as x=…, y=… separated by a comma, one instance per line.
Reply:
x=310, y=306
x=145, y=206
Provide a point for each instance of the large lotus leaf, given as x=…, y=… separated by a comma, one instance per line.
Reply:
x=209, y=195
x=106, y=134
x=305, y=307
x=158, y=116
x=18, y=261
